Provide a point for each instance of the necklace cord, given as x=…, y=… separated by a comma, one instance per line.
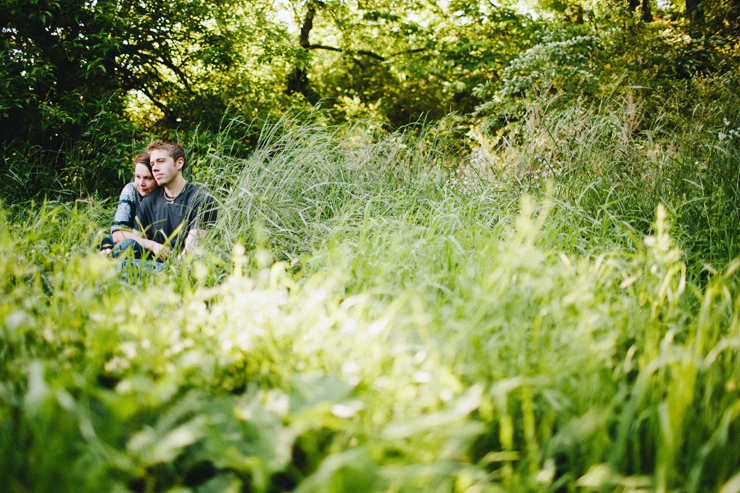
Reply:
x=171, y=200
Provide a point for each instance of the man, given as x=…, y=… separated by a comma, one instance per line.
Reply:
x=170, y=219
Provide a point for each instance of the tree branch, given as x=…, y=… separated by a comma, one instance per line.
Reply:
x=322, y=47
x=371, y=55
x=183, y=78
x=308, y=23
x=367, y=53
x=408, y=52
x=141, y=52
x=156, y=103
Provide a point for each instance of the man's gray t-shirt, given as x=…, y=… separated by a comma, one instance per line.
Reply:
x=157, y=219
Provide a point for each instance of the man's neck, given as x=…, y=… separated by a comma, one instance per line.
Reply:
x=176, y=186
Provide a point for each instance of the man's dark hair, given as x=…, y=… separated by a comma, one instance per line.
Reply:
x=174, y=150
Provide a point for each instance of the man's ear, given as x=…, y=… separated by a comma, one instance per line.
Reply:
x=180, y=162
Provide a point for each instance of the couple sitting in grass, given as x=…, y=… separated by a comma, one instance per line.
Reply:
x=160, y=215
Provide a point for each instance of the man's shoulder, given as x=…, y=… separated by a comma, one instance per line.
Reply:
x=195, y=190
x=197, y=195
x=202, y=206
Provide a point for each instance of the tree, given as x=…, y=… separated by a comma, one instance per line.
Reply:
x=646, y=14
x=64, y=62
x=401, y=61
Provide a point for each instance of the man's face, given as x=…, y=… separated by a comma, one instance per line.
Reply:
x=164, y=168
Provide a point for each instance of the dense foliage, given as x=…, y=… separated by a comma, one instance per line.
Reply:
x=424, y=328
x=72, y=68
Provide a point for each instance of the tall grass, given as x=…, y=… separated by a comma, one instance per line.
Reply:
x=614, y=163
x=371, y=314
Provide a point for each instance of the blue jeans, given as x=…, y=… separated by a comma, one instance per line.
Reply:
x=128, y=247
x=136, y=266
x=134, y=256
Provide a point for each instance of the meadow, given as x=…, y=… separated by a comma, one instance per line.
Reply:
x=558, y=311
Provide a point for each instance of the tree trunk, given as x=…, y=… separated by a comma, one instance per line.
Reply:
x=574, y=14
x=298, y=79
x=647, y=16
x=693, y=15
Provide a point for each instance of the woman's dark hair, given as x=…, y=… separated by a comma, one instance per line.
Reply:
x=143, y=158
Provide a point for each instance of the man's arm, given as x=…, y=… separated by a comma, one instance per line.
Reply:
x=191, y=240
x=205, y=214
x=159, y=250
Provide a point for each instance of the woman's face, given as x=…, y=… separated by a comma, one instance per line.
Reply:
x=143, y=180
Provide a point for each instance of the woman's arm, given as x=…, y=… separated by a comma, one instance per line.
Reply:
x=120, y=235
x=123, y=219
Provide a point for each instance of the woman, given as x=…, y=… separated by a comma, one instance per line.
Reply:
x=131, y=195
